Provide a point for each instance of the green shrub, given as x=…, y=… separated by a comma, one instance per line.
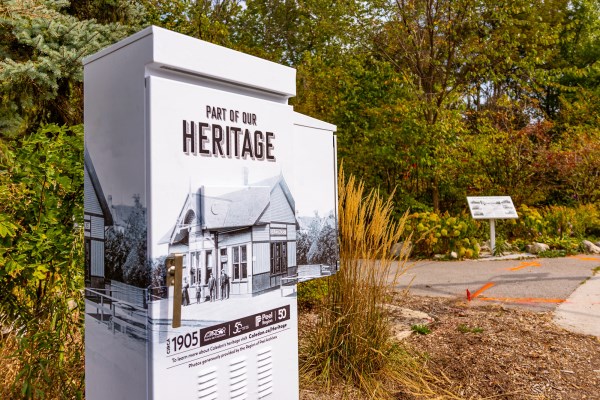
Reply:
x=41, y=254
x=569, y=245
x=441, y=234
x=529, y=226
x=538, y=224
x=311, y=293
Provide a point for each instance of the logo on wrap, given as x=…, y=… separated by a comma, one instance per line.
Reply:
x=223, y=331
x=215, y=334
x=264, y=319
x=239, y=327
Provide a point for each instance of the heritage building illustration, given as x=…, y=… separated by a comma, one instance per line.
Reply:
x=249, y=233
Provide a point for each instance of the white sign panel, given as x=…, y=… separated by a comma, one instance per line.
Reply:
x=492, y=207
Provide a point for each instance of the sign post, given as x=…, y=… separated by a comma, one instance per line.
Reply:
x=201, y=184
x=492, y=208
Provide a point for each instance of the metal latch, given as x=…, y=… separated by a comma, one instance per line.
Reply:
x=174, y=265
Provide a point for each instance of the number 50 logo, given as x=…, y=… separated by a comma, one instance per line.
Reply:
x=281, y=314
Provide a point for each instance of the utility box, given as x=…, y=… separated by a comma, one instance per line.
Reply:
x=207, y=198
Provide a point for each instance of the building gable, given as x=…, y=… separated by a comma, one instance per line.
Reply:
x=279, y=209
x=94, y=197
x=91, y=204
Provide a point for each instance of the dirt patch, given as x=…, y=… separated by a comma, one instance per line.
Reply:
x=488, y=351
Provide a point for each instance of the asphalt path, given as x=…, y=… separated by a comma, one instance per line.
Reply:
x=539, y=284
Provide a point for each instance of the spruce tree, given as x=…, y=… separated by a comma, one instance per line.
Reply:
x=41, y=49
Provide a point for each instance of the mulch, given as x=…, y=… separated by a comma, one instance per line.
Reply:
x=493, y=352
x=490, y=351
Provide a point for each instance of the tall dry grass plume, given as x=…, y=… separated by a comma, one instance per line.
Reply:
x=350, y=341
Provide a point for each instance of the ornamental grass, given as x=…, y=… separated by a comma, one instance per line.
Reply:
x=350, y=341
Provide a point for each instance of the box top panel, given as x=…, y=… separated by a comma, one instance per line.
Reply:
x=177, y=52
x=310, y=122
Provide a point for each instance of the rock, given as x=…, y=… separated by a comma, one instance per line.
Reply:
x=401, y=335
x=590, y=247
x=485, y=248
x=403, y=318
x=72, y=305
x=402, y=249
x=453, y=255
x=536, y=248
x=407, y=313
x=438, y=256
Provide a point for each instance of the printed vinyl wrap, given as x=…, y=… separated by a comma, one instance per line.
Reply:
x=222, y=173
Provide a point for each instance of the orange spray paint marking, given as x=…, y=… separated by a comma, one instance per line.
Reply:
x=586, y=258
x=482, y=289
x=524, y=300
x=526, y=264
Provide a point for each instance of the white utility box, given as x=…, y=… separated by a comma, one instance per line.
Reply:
x=207, y=198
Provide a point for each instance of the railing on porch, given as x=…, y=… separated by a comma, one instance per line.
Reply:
x=119, y=315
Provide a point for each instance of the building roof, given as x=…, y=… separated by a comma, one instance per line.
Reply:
x=237, y=209
x=89, y=166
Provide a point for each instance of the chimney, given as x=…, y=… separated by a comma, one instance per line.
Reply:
x=245, y=176
x=109, y=199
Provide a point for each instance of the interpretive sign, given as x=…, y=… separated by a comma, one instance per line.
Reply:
x=200, y=209
x=492, y=207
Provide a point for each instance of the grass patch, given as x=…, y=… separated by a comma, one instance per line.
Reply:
x=552, y=253
x=420, y=329
x=463, y=328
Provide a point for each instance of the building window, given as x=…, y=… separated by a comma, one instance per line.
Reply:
x=194, y=269
x=209, y=265
x=240, y=263
x=278, y=257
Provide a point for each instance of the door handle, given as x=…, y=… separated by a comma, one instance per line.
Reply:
x=174, y=265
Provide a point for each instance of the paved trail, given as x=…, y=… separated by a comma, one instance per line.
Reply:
x=544, y=281
x=539, y=284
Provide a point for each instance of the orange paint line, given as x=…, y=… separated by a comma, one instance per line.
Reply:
x=482, y=289
x=524, y=300
x=586, y=258
x=526, y=264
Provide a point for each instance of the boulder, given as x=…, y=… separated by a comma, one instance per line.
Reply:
x=590, y=247
x=536, y=248
x=454, y=255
